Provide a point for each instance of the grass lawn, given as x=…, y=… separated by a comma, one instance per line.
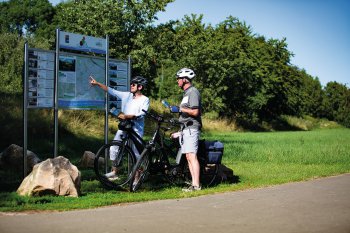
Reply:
x=258, y=159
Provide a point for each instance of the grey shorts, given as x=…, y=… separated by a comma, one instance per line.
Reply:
x=189, y=140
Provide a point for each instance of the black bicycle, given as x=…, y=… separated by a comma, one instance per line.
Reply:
x=163, y=156
x=125, y=157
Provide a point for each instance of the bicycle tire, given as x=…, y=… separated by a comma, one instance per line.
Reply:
x=208, y=175
x=179, y=175
x=139, y=172
x=125, y=165
x=174, y=171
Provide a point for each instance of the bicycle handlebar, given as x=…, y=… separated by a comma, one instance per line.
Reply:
x=161, y=119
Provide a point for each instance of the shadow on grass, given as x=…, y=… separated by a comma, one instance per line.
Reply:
x=160, y=183
x=271, y=124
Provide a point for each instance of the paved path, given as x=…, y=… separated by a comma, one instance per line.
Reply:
x=321, y=205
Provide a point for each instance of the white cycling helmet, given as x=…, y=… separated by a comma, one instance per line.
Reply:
x=185, y=73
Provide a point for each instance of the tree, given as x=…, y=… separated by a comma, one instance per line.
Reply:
x=26, y=17
x=122, y=21
x=11, y=60
x=337, y=103
x=312, y=95
x=240, y=74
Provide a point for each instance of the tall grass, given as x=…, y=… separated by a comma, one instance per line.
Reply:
x=278, y=157
x=258, y=159
x=308, y=123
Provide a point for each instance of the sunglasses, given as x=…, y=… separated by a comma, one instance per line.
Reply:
x=133, y=84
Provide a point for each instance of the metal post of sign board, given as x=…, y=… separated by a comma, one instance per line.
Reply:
x=56, y=92
x=106, y=102
x=106, y=94
x=25, y=110
x=129, y=72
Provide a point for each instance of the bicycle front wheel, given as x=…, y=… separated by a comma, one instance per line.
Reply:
x=124, y=163
x=140, y=171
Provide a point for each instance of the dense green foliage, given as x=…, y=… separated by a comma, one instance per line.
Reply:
x=241, y=75
x=258, y=159
x=11, y=60
x=27, y=17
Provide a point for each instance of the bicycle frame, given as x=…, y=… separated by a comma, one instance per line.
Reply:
x=154, y=158
x=125, y=157
x=135, y=138
x=174, y=172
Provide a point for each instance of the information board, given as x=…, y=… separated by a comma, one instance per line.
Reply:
x=74, y=89
x=41, y=66
x=80, y=42
x=118, y=80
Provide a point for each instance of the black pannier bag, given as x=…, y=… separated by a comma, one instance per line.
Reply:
x=211, y=151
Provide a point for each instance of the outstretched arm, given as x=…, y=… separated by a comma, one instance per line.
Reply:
x=93, y=82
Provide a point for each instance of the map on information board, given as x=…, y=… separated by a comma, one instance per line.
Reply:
x=74, y=89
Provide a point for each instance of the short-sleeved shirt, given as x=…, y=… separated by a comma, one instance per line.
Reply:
x=191, y=99
x=133, y=106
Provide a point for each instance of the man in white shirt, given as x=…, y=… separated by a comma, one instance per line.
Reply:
x=133, y=104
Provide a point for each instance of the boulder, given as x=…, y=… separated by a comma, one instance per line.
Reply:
x=12, y=158
x=87, y=161
x=55, y=176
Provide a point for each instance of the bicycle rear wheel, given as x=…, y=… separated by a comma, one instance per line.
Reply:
x=139, y=172
x=176, y=170
x=125, y=163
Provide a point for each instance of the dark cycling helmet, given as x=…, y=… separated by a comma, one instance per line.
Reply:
x=185, y=73
x=139, y=80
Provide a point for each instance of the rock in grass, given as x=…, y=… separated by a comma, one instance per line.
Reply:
x=55, y=176
x=12, y=159
x=87, y=161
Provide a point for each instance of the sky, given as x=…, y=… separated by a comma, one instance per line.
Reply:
x=317, y=31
